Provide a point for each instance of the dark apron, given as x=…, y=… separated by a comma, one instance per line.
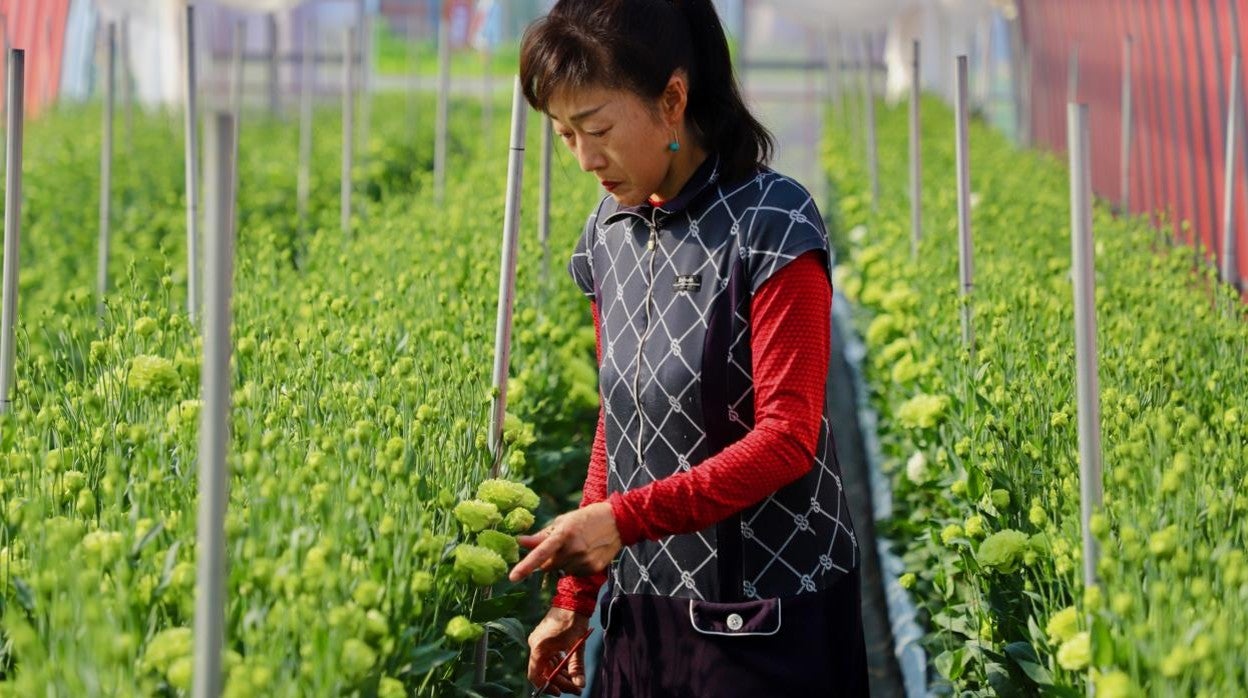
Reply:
x=806, y=645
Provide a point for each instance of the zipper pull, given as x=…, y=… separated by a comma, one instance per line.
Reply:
x=654, y=238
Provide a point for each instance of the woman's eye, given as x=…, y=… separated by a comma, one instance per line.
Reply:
x=566, y=136
x=598, y=134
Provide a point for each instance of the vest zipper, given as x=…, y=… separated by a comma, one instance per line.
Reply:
x=651, y=244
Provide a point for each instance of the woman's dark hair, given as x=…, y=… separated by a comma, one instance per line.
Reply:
x=637, y=45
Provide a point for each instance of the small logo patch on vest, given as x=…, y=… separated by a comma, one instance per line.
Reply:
x=687, y=282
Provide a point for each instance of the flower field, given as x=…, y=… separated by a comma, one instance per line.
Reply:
x=981, y=450
x=359, y=530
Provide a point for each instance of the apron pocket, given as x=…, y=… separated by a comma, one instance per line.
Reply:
x=760, y=617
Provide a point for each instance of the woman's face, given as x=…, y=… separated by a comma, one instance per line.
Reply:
x=617, y=137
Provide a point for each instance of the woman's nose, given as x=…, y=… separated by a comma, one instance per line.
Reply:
x=590, y=159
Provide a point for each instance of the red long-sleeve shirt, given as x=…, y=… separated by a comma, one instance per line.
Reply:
x=790, y=341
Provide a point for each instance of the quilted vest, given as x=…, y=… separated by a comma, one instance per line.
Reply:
x=673, y=284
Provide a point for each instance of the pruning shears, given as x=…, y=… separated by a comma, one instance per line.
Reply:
x=559, y=667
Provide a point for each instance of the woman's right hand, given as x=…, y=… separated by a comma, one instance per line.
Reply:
x=549, y=642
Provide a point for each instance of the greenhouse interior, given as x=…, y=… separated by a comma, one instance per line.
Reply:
x=388, y=348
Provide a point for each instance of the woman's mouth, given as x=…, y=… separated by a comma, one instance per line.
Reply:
x=610, y=186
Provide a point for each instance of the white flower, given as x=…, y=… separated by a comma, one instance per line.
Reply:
x=916, y=468
x=857, y=234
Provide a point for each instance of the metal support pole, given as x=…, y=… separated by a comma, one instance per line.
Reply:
x=965, y=257
x=106, y=166
x=348, y=127
x=304, y=184
x=12, y=223
x=1127, y=118
x=1086, y=370
x=1234, y=122
x=214, y=418
x=444, y=87
x=365, y=85
x=127, y=83
x=916, y=155
x=192, y=173
x=543, y=220
x=274, y=76
x=1072, y=75
x=236, y=86
x=507, y=274
x=506, y=300
x=873, y=162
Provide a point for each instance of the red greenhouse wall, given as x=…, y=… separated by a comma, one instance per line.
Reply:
x=39, y=28
x=1181, y=65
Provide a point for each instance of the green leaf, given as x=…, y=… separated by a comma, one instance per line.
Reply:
x=425, y=658
x=497, y=607
x=146, y=539
x=1025, y=657
x=512, y=629
x=1102, y=644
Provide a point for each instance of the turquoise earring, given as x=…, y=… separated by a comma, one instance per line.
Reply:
x=674, y=145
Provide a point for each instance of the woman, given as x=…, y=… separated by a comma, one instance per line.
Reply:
x=713, y=505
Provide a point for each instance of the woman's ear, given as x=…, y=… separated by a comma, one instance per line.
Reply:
x=675, y=98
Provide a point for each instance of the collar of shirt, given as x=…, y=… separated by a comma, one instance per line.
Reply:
x=702, y=179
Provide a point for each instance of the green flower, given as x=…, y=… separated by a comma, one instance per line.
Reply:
x=951, y=532
x=152, y=374
x=460, y=629
x=368, y=594
x=501, y=543
x=1075, y=653
x=1115, y=684
x=974, y=526
x=922, y=411
x=907, y=580
x=145, y=326
x=1002, y=550
x=477, y=515
x=518, y=521
x=507, y=495
x=1062, y=625
x=422, y=582
x=166, y=647
x=482, y=565
x=391, y=688
x=357, y=658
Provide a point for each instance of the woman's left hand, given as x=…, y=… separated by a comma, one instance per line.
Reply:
x=580, y=542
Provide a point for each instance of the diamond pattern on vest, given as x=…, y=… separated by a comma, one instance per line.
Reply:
x=800, y=538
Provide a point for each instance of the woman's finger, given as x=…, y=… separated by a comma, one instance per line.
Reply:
x=543, y=552
x=576, y=667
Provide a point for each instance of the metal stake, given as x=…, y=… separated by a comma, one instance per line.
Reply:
x=192, y=174
x=106, y=167
x=444, y=87
x=1085, y=333
x=966, y=265
x=304, y=184
x=214, y=429
x=507, y=274
x=274, y=76
x=1125, y=168
x=1234, y=122
x=916, y=155
x=873, y=158
x=543, y=220
x=348, y=128
x=12, y=223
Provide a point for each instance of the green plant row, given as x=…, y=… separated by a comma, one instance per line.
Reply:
x=359, y=413
x=982, y=448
